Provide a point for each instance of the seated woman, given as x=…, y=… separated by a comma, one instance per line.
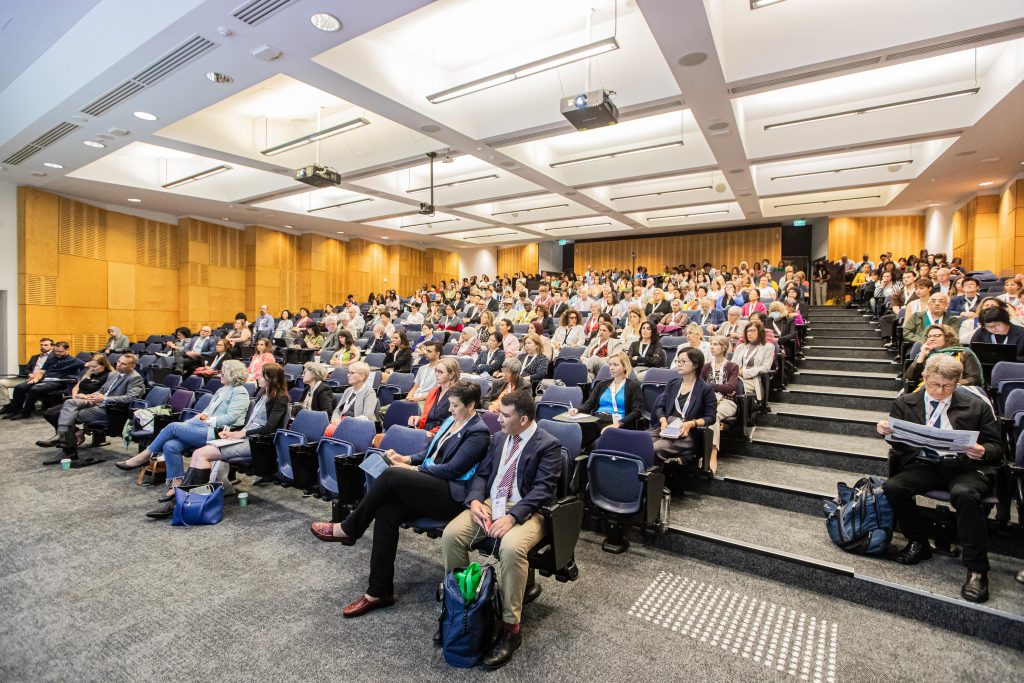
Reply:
x=995, y=328
x=239, y=333
x=535, y=363
x=676, y=319
x=431, y=484
x=227, y=408
x=569, y=332
x=753, y=303
x=319, y=394
x=658, y=307
x=268, y=415
x=435, y=407
x=646, y=353
x=398, y=357
x=599, y=349
x=783, y=327
x=695, y=340
x=94, y=376
x=117, y=342
x=347, y=353
x=754, y=357
x=1014, y=296
x=544, y=324
x=313, y=336
x=300, y=323
x=616, y=402
x=284, y=325
x=359, y=399
x=511, y=379
x=593, y=320
x=688, y=399
x=468, y=345
x=222, y=352
x=631, y=330
x=485, y=328
x=262, y=356
x=415, y=317
x=941, y=339
x=509, y=341
x=724, y=377
x=488, y=362
x=178, y=346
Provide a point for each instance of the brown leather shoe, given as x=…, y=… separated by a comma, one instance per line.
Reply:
x=325, y=532
x=362, y=606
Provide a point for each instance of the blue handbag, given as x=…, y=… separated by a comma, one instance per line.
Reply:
x=860, y=519
x=196, y=505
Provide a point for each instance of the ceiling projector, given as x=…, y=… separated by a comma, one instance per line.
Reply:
x=318, y=176
x=590, y=109
x=426, y=209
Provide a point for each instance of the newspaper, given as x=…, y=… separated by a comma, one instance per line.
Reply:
x=944, y=443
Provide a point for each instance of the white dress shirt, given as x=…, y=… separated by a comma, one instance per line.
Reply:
x=514, y=496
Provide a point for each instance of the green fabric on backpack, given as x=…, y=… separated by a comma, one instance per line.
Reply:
x=469, y=581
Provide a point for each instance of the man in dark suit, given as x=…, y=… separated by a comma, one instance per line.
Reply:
x=121, y=388
x=34, y=365
x=515, y=479
x=59, y=370
x=197, y=347
x=969, y=477
x=559, y=306
x=471, y=312
x=934, y=313
x=966, y=305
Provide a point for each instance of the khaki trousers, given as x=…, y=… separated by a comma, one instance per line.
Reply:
x=725, y=409
x=513, y=567
x=6, y=385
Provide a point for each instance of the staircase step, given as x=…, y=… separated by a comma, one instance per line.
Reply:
x=834, y=451
x=839, y=397
x=812, y=362
x=794, y=548
x=799, y=488
x=841, y=380
x=872, y=342
x=844, y=331
x=831, y=350
x=823, y=419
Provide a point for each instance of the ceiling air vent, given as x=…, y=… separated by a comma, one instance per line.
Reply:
x=191, y=49
x=959, y=42
x=671, y=104
x=258, y=11
x=43, y=141
x=804, y=75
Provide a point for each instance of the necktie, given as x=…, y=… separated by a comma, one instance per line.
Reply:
x=505, y=486
x=112, y=383
x=936, y=416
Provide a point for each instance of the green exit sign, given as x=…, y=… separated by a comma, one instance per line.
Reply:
x=562, y=243
x=799, y=223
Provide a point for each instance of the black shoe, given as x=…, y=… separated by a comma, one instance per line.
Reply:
x=264, y=481
x=161, y=512
x=503, y=649
x=55, y=460
x=17, y=416
x=50, y=443
x=914, y=552
x=166, y=499
x=532, y=592
x=1020, y=576
x=975, y=588
x=437, y=634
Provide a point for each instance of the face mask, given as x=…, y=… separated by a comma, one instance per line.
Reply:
x=776, y=315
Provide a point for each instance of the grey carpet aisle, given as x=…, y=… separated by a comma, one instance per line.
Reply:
x=90, y=590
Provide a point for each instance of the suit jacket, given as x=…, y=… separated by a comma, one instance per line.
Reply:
x=557, y=311
x=537, y=369
x=61, y=368
x=634, y=404
x=654, y=358
x=702, y=403
x=482, y=367
x=364, y=405
x=714, y=317
x=209, y=345
x=614, y=346
x=537, y=472
x=786, y=331
x=400, y=361
x=966, y=411
x=524, y=384
x=323, y=398
x=331, y=342
x=914, y=327
x=471, y=314
x=958, y=304
x=457, y=456
x=124, y=390
x=34, y=359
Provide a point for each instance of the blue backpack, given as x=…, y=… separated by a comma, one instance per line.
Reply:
x=859, y=520
x=468, y=629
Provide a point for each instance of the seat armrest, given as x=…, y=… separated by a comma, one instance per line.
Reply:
x=563, y=521
x=654, y=480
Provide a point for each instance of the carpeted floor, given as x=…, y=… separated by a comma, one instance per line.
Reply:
x=90, y=590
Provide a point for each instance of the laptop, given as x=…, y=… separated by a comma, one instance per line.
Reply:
x=990, y=354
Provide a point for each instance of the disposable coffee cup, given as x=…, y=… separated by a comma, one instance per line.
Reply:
x=243, y=499
x=65, y=464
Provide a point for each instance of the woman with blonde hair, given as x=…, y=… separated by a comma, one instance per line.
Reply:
x=616, y=402
x=631, y=330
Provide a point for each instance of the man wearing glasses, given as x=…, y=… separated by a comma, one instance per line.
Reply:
x=969, y=477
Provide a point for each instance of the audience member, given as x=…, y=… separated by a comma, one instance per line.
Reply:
x=93, y=377
x=319, y=394
x=117, y=342
x=646, y=352
x=996, y=329
x=941, y=339
x=199, y=346
x=46, y=384
x=724, y=378
x=35, y=365
x=359, y=400
x=509, y=379
x=688, y=401
x=754, y=357
x=617, y=402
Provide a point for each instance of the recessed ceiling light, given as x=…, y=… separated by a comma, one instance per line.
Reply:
x=385, y=238
x=133, y=200
x=197, y=176
x=986, y=183
x=50, y=164
x=758, y=4
x=225, y=219
x=325, y=22
x=432, y=128
x=289, y=227
x=340, y=232
x=989, y=160
x=93, y=143
x=145, y=116
x=718, y=125
x=217, y=77
x=693, y=59
x=38, y=174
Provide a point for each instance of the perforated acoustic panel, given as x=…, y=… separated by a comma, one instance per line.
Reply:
x=40, y=290
x=227, y=247
x=155, y=244
x=87, y=342
x=199, y=274
x=81, y=230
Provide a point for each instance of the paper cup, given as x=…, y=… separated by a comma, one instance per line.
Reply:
x=243, y=499
x=65, y=464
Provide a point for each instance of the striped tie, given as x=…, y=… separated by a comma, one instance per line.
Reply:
x=505, y=486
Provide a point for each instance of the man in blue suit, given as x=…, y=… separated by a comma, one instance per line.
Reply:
x=197, y=347
x=515, y=479
x=57, y=373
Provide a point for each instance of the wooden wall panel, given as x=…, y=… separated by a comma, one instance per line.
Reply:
x=726, y=247
x=854, y=236
x=523, y=258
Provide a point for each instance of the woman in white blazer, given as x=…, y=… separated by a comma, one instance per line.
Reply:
x=603, y=345
x=754, y=357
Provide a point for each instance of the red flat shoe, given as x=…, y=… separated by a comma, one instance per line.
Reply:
x=325, y=532
x=363, y=606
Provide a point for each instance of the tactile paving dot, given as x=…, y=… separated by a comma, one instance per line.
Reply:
x=795, y=643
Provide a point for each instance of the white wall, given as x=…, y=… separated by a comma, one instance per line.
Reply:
x=938, y=229
x=9, y=273
x=478, y=261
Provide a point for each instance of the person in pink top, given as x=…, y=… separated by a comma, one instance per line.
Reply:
x=753, y=304
x=262, y=356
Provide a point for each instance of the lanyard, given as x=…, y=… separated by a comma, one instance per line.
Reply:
x=526, y=362
x=934, y=418
x=615, y=405
x=1006, y=339
x=351, y=400
x=682, y=411
x=643, y=350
